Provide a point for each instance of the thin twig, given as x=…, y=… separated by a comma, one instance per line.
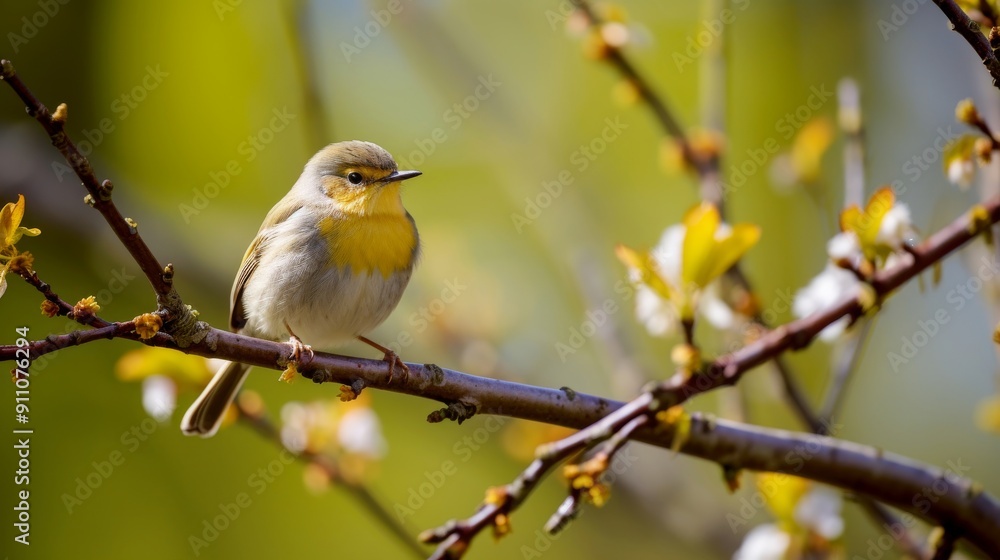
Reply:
x=851, y=123
x=454, y=537
x=100, y=192
x=849, y=115
x=101, y=329
x=886, y=518
x=797, y=398
x=671, y=126
x=971, y=32
x=603, y=458
x=847, y=364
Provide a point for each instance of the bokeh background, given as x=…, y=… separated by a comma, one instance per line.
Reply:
x=212, y=76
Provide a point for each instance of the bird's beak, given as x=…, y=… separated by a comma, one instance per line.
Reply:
x=401, y=176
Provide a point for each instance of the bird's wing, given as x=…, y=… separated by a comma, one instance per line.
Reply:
x=277, y=215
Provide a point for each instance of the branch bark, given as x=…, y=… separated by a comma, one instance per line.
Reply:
x=895, y=480
x=969, y=30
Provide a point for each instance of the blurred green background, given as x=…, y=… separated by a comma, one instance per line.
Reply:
x=211, y=76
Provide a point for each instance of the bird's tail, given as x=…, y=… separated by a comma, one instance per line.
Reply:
x=205, y=415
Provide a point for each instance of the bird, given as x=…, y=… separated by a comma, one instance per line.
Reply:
x=330, y=263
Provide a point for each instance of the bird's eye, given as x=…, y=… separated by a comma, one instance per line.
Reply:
x=355, y=178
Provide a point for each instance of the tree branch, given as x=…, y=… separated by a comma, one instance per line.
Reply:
x=99, y=195
x=862, y=469
x=728, y=369
x=971, y=32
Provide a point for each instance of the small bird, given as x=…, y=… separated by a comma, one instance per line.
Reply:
x=329, y=263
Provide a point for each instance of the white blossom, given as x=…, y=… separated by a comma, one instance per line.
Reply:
x=316, y=425
x=361, y=432
x=844, y=247
x=827, y=289
x=159, y=397
x=896, y=229
x=819, y=511
x=659, y=315
x=294, y=426
x=961, y=172
x=764, y=542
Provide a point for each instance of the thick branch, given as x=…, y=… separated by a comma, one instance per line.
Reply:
x=890, y=479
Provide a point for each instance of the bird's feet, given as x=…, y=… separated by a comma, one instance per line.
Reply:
x=389, y=357
x=299, y=348
x=393, y=359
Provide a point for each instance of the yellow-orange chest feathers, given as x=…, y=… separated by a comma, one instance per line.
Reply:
x=384, y=240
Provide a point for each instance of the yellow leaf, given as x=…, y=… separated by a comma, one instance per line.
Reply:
x=10, y=223
x=682, y=432
x=782, y=493
x=730, y=249
x=962, y=148
x=7, y=223
x=649, y=272
x=866, y=224
x=878, y=205
x=186, y=370
x=848, y=217
x=809, y=146
x=988, y=414
x=701, y=223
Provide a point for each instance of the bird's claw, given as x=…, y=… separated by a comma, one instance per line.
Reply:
x=299, y=348
x=393, y=360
